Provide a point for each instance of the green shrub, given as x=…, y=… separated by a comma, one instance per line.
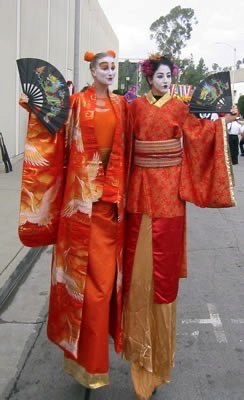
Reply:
x=240, y=105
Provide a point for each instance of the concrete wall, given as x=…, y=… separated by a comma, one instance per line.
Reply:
x=99, y=36
x=8, y=51
x=45, y=29
x=239, y=83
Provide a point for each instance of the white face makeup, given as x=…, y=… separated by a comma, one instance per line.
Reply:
x=161, y=80
x=105, y=71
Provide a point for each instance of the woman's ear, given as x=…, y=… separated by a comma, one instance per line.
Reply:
x=149, y=79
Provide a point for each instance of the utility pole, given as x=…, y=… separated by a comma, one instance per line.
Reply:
x=77, y=40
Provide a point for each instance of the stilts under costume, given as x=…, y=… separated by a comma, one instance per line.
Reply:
x=73, y=196
x=175, y=158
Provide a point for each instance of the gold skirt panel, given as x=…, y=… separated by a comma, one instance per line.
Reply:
x=149, y=329
x=92, y=381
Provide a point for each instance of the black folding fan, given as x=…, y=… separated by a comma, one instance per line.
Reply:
x=47, y=91
x=213, y=94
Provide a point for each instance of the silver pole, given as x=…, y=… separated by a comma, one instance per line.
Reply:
x=77, y=45
x=234, y=67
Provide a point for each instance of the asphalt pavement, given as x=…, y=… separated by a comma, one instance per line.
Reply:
x=210, y=318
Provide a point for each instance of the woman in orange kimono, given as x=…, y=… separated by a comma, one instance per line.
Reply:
x=75, y=188
x=174, y=158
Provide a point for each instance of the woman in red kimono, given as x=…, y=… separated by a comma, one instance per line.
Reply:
x=174, y=158
x=84, y=220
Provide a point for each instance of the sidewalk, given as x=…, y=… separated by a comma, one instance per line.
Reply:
x=15, y=258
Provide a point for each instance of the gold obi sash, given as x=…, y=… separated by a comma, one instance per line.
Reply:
x=158, y=153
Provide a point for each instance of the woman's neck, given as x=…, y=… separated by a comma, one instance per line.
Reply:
x=101, y=90
x=156, y=93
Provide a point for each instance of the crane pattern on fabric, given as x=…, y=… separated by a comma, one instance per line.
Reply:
x=63, y=176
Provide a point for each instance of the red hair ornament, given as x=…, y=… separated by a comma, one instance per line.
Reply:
x=89, y=56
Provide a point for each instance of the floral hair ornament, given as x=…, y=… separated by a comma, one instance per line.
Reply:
x=89, y=56
x=146, y=66
x=175, y=70
x=158, y=56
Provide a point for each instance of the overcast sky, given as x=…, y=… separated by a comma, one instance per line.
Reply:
x=218, y=21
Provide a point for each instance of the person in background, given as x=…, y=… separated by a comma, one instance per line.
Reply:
x=242, y=144
x=234, y=129
x=86, y=294
x=71, y=87
x=173, y=157
x=131, y=94
x=5, y=156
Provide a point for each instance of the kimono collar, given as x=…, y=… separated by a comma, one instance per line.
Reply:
x=114, y=98
x=158, y=103
x=92, y=91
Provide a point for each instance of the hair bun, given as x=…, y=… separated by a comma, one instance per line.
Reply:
x=111, y=53
x=88, y=56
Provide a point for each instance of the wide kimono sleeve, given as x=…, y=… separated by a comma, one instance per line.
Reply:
x=206, y=176
x=42, y=184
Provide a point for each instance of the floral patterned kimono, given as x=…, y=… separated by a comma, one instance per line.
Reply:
x=73, y=196
x=174, y=158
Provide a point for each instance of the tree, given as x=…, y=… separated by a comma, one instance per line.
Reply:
x=201, y=68
x=227, y=69
x=128, y=72
x=144, y=86
x=191, y=74
x=239, y=63
x=173, y=30
x=216, y=67
x=240, y=105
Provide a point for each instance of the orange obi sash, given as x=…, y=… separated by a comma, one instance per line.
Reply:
x=158, y=153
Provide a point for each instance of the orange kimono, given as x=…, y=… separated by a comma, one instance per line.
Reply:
x=173, y=158
x=82, y=192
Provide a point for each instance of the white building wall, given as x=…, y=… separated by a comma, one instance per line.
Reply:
x=239, y=89
x=44, y=29
x=8, y=49
x=99, y=37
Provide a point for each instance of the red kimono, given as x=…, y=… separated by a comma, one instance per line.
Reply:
x=67, y=199
x=173, y=157
x=203, y=176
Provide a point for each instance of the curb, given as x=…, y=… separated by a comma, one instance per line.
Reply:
x=21, y=271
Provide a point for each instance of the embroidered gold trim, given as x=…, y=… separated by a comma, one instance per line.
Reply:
x=158, y=103
x=228, y=163
x=92, y=381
